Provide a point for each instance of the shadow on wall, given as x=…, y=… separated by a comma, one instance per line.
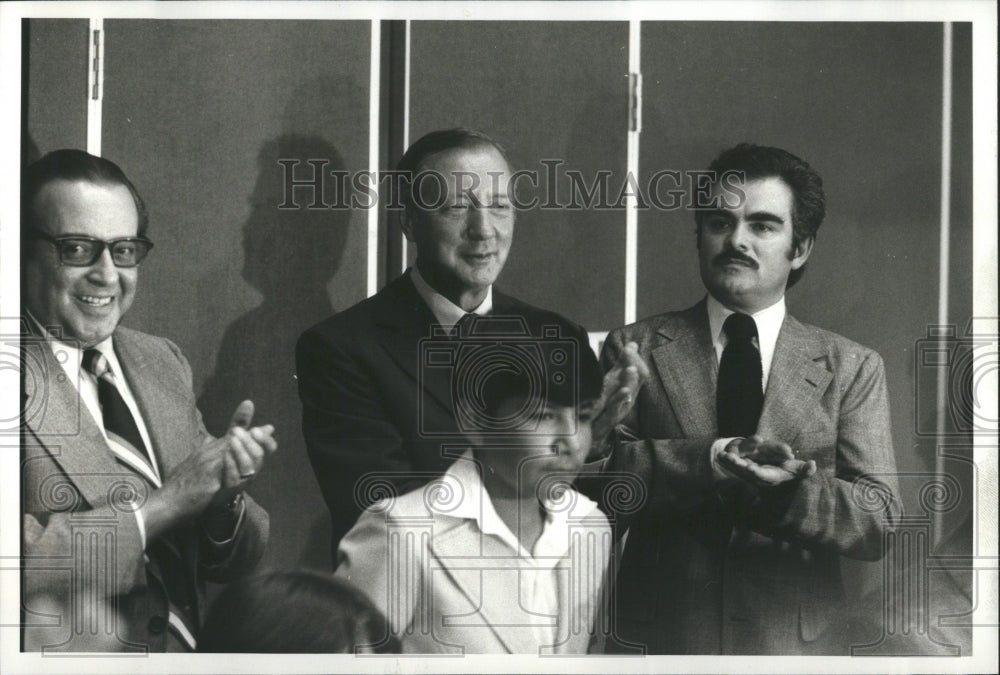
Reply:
x=289, y=255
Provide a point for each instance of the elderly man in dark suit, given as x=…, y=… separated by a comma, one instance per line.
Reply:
x=128, y=504
x=764, y=443
x=379, y=418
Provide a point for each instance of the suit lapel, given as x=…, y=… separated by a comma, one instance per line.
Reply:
x=64, y=427
x=406, y=320
x=496, y=596
x=157, y=390
x=795, y=384
x=685, y=363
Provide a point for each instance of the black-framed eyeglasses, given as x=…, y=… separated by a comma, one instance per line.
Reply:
x=79, y=250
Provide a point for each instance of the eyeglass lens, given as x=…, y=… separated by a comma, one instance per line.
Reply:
x=124, y=252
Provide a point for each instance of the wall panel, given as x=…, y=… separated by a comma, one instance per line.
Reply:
x=56, y=88
x=546, y=91
x=862, y=104
x=199, y=113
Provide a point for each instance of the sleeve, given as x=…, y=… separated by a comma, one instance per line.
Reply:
x=386, y=565
x=676, y=474
x=850, y=508
x=348, y=431
x=98, y=552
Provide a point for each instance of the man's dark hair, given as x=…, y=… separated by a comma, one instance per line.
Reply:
x=760, y=161
x=300, y=612
x=433, y=143
x=74, y=166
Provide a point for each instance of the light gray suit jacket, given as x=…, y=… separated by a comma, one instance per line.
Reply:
x=81, y=542
x=710, y=569
x=446, y=587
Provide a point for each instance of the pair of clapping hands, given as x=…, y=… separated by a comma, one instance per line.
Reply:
x=755, y=460
x=763, y=463
x=212, y=476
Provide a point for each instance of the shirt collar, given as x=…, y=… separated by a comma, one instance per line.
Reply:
x=445, y=311
x=768, y=322
x=69, y=355
x=473, y=503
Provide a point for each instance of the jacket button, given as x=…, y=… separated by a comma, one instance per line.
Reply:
x=157, y=625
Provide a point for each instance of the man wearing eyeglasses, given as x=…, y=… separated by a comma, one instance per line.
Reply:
x=129, y=505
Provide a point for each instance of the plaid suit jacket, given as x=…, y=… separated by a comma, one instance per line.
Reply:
x=710, y=569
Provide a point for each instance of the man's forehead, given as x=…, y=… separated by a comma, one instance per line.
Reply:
x=768, y=194
x=74, y=204
x=481, y=159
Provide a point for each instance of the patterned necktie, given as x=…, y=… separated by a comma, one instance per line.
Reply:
x=164, y=554
x=119, y=424
x=739, y=396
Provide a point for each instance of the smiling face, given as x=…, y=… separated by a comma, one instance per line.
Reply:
x=746, y=252
x=463, y=223
x=84, y=303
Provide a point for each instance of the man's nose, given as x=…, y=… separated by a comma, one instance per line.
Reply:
x=103, y=271
x=739, y=237
x=478, y=222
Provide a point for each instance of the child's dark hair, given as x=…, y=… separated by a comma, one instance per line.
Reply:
x=552, y=375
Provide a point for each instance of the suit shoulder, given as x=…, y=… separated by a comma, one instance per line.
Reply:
x=344, y=324
x=837, y=346
x=669, y=322
x=536, y=317
x=148, y=343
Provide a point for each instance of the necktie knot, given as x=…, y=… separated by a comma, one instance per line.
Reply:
x=740, y=328
x=95, y=363
x=464, y=326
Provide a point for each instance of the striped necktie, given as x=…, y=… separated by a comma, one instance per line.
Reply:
x=119, y=424
x=164, y=554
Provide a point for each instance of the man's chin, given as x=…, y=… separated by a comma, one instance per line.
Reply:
x=89, y=335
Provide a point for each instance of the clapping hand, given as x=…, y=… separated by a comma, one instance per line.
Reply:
x=764, y=463
x=621, y=385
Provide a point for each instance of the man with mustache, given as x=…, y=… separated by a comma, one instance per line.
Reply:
x=764, y=443
x=378, y=418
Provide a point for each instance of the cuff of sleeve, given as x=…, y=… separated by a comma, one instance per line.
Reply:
x=718, y=473
x=239, y=505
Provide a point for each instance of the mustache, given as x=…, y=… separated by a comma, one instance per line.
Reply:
x=732, y=255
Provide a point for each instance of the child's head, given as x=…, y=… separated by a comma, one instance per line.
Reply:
x=295, y=612
x=535, y=427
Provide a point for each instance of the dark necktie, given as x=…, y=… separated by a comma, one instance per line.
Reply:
x=463, y=328
x=119, y=424
x=739, y=397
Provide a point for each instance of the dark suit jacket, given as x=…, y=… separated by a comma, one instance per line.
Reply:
x=81, y=541
x=375, y=421
x=722, y=570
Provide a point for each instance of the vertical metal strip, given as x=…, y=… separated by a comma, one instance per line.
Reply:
x=945, y=246
x=406, y=131
x=374, y=80
x=632, y=161
x=95, y=82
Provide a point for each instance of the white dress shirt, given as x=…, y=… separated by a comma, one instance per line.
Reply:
x=539, y=590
